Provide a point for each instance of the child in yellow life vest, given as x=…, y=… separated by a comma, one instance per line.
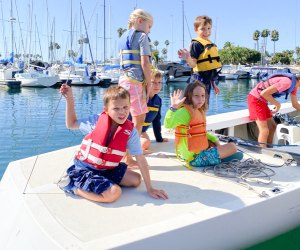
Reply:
x=187, y=116
x=203, y=56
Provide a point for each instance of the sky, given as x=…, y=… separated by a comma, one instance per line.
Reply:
x=234, y=21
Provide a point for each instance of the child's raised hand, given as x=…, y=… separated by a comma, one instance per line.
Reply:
x=183, y=53
x=176, y=102
x=66, y=91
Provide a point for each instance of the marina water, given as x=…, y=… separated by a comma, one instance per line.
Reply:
x=32, y=120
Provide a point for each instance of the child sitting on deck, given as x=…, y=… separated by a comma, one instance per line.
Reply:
x=192, y=141
x=98, y=172
x=154, y=115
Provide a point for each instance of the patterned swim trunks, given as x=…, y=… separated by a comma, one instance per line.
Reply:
x=206, y=158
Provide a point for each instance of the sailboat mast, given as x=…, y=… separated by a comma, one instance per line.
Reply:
x=104, y=37
x=12, y=19
x=71, y=29
x=182, y=24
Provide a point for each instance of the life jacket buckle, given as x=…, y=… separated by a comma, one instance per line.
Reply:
x=99, y=161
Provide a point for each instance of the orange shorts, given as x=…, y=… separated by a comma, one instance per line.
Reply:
x=258, y=109
x=138, y=104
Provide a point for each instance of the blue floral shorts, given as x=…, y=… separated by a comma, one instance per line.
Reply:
x=206, y=158
x=81, y=175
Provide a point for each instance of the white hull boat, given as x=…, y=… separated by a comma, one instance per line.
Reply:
x=203, y=211
x=36, y=79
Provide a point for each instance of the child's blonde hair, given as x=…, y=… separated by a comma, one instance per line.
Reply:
x=202, y=21
x=115, y=92
x=188, y=94
x=156, y=74
x=138, y=13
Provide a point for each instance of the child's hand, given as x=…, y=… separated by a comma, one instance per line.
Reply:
x=176, y=102
x=66, y=91
x=158, y=194
x=183, y=53
x=216, y=89
x=276, y=108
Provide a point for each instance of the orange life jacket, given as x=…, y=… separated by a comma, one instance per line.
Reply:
x=96, y=151
x=195, y=131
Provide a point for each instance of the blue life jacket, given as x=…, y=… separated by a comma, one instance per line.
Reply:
x=128, y=56
x=265, y=84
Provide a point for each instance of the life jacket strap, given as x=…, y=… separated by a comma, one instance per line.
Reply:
x=189, y=135
x=98, y=161
x=105, y=150
x=192, y=126
x=210, y=59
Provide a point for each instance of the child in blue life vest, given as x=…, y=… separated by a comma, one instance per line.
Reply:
x=135, y=63
x=154, y=115
x=203, y=56
x=188, y=116
x=98, y=173
x=266, y=91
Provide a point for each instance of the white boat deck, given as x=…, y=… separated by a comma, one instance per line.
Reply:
x=202, y=212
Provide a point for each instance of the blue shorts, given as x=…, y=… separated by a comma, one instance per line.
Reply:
x=89, y=179
x=206, y=158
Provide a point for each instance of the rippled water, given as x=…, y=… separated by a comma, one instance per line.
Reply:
x=32, y=120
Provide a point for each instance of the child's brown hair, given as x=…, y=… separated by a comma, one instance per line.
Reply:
x=201, y=21
x=115, y=92
x=188, y=94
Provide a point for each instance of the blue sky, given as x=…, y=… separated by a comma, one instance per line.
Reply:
x=233, y=21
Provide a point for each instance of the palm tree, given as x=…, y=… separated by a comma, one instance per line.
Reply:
x=164, y=51
x=255, y=37
x=121, y=31
x=155, y=43
x=167, y=43
x=274, y=37
x=264, y=34
x=297, y=51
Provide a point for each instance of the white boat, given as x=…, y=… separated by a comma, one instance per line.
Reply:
x=203, y=211
x=228, y=76
x=36, y=79
x=78, y=76
x=7, y=77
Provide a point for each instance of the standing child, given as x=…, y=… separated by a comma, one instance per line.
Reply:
x=187, y=115
x=266, y=91
x=203, y=56
x=135, y=62
x=97, y=173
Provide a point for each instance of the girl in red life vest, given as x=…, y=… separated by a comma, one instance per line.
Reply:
x=187, y=115
x=97, y=173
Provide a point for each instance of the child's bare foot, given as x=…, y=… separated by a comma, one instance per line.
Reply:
x=147, y=151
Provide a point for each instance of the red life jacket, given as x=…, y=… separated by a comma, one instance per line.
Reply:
x=195, y=131
x=94, y=148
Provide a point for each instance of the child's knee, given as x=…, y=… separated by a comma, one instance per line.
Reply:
x=233, y=147
x=136, y=180
x=113, y=194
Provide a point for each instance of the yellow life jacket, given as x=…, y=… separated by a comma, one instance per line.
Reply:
x=195, y=131
x=209, y=59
